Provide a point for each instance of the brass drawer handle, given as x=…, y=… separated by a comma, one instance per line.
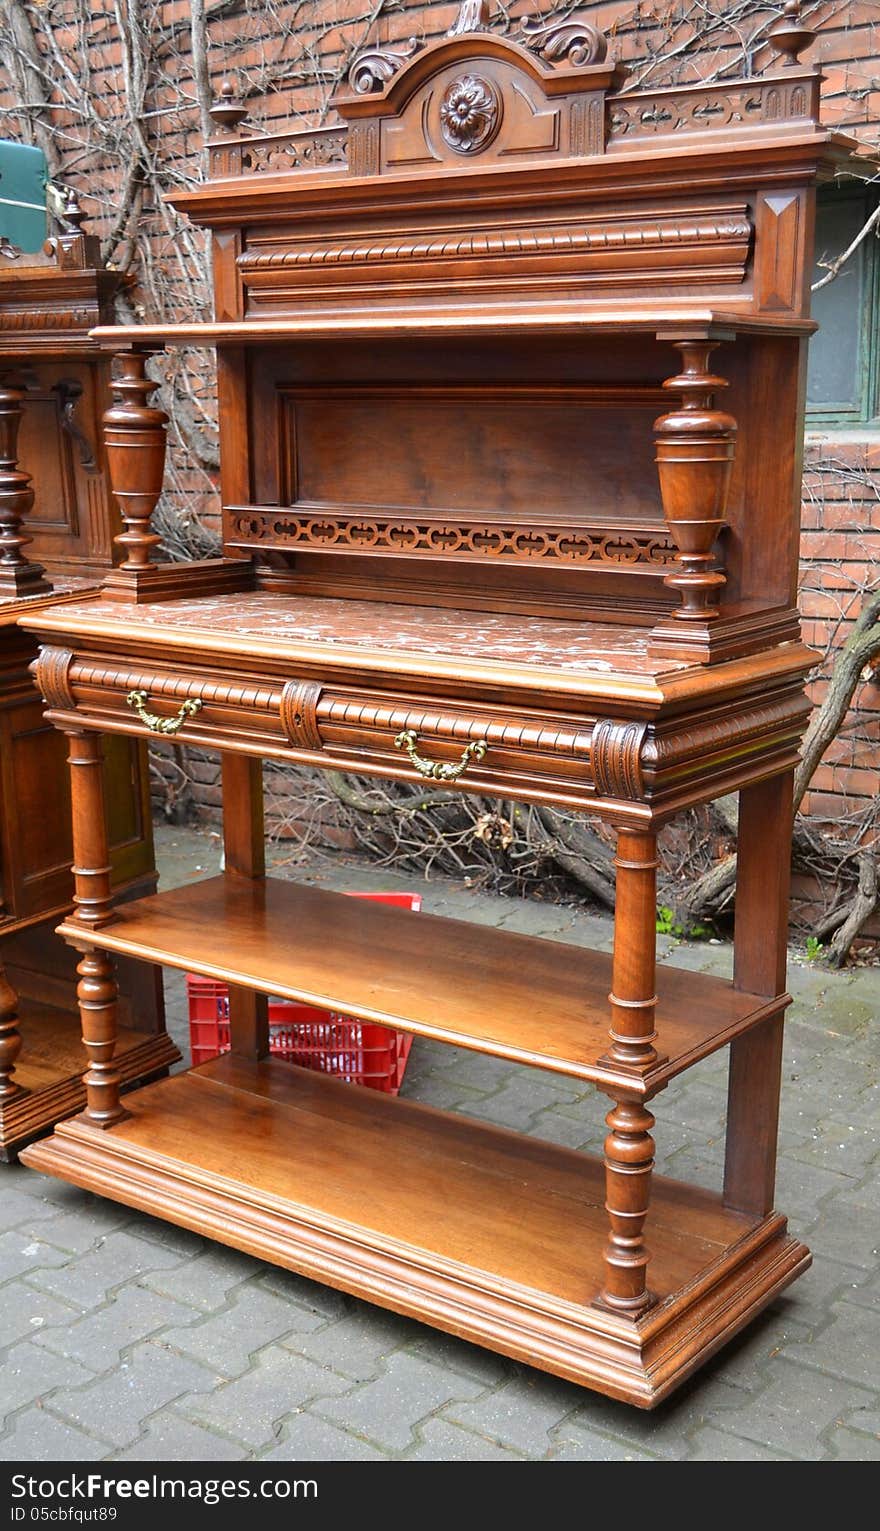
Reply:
x=137, y=700
x=439, y=770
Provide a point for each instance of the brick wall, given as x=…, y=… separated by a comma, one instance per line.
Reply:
x=287, y=56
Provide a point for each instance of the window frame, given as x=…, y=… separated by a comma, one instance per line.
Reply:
x=866, y=409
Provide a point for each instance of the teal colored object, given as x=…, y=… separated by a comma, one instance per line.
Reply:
x=23, y=177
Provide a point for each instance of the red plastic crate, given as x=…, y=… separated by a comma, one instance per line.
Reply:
x=356, y=1051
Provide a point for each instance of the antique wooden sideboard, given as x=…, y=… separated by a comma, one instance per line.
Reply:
x=451, y=335
x=57, y=525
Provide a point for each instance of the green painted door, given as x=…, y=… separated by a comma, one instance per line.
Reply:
x=22, y=195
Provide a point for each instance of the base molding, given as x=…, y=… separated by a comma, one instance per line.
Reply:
x=178, y=581
x=730, y=636
x=639, y=1361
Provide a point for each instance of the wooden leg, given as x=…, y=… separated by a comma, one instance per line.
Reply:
x=244, y=847
x=96, y=991
x=629, y=1160
x=10, y=1040
x=633, y=983
x=760, y=951
x=97, y=994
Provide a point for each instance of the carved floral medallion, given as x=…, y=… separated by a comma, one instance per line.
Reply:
x=470, y=114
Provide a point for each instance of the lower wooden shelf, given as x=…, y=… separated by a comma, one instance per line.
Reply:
x=51, y=1066
x=480, y=1231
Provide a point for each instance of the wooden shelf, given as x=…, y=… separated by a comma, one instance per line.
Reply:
x=494, y=1236
x=51, y=1066
x=518, y=997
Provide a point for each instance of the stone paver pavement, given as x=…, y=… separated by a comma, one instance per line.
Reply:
x=129, y=1340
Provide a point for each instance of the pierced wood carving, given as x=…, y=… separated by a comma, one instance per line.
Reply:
x=567, y=545
x=313, y=152
x=299, y=714
x=51, y=670
x=616, y=758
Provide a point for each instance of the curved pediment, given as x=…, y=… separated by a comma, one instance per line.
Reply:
x=474, y=96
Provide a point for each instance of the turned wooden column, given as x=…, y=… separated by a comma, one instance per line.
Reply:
x=97, y=991
x=695, y=449
x=18, y=575
x=135, y=440
x=629, y=1147
x=633, y=995
x=10, y=1040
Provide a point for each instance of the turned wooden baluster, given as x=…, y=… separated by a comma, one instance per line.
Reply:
x=97, y=990
x=629, y=1148
x=629, y=1161
x=134, y=435
x=10, y=1040
x=18, y=575
x=695, y=446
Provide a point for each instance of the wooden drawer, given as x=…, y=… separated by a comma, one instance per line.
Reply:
x=494, y=748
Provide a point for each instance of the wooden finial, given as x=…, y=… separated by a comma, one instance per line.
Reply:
x=18, y=575
x=134, y=435
x=789, y=36
x=695, y=446
x=73, y=216
x=228, y=109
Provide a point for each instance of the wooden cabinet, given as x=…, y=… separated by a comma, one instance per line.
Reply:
x=510, y=371
x=57, y=543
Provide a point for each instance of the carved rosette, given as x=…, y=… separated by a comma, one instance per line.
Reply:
x=470, y=114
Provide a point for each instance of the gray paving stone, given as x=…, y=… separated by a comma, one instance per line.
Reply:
x=323, y=1301
x=811, y=1298
x=305, y=1438
x=574, y=1444
x=171, y=1438
x=22, y=1250
x=228, y=1340
x=847, y=1347
x=253, y=1407
x=519, y=1100
x=89, y=1278
x=38, y=1436
x=388, y=1409
x=846, y=1228
x=792, y=1413
x=26, y=1310
x=205, y=1281
x=459, y=1355
x=442, y=1442
x=78, y=1227
x=29, y=1375
x=181, y=1240
x=666, y=1431
x=849, y=1446
x=117, y=1407
x=20, y=1206
x=521, y=1413
x=356, y=1344
x=711, y=1445
x=97, y=1339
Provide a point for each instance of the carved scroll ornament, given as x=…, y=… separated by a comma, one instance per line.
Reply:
x=571, y=39
x=373, y=68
